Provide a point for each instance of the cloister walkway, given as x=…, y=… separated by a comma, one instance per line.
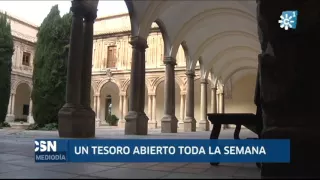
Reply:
x=17, y=160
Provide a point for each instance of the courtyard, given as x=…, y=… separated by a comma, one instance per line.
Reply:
x=17, y=159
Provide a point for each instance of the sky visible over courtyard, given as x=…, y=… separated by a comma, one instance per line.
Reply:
x=35, y=11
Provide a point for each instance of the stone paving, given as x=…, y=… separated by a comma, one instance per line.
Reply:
x=17, y=160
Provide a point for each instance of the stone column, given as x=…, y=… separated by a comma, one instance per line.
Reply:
x=136, y=119
x=222, y=106
x=98, y=110
x=95, y=104
x=13, y=98
x=169, y=123
x=182, y=109
x=154, y=106
x=149, y=106
x=204, y=123
x=189, y=121
x=10, y=116
x=9, y=106
x=214, y=100
x=76, y=118
x=121, y=107
x=125, y=105
x=30, y=116
x=151, y=111
x=289, y=92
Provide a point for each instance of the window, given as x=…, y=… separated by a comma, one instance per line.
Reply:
x=26, y=59
x=112, y=57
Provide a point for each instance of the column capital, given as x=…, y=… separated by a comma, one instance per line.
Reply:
x=90, y=17
x=214, y=88
x=170, y=60
x=204, y=81
x=139, y=42
x=78, y=9
x=190, y=73
x=123, y=93
x=151, y=94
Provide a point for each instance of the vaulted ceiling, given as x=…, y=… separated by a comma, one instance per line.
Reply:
x=223, y=34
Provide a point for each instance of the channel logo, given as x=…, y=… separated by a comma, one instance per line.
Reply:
x=47, y=151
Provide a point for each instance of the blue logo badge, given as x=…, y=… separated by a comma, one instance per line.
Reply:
x=288, y=20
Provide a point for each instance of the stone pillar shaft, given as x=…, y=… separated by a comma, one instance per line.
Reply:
x=95, y=104
x=287, y=73
x=189, y=121
x=214, y=100
x=75, y=57
x=204, y=123
x=13, y=98
x=169, y=121
x=150, y=106
x=125, y=105
x=136, y=119
x=154, y=108
x=9, y=105
x=121, y=107
x=98, y=107
x=87, y=62
x=182, y=107
x=30, y=115
x=76, y=118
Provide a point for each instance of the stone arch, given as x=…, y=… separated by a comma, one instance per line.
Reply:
x=22, y=99
x=239, y=60
x=109, y=90
x=229, y=50
x=203, y=15
x=186, y=53
x=17, y=83
x=215, y=37
x=161, y=79
x=104, y=81
x=224, y=80
x=153, y=11
x=165, y=37
x=126, y=85
x=133, y=18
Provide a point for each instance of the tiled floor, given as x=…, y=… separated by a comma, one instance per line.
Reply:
x=17, y=160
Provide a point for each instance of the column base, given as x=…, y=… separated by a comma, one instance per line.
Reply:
x=305, y=157
x=97, y=123
x=152, y=124
x=136, y=123
x=204, y=125
x=10, y=118
x=76, y=122
x=122, y=123
x=30, y=120
x=189, y=124
x=169, y=124
x=180, y=125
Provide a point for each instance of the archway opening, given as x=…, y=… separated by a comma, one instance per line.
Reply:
x=109, y=103
x=160, y=102
x=22, y=102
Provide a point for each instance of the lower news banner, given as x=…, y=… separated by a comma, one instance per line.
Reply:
x=161, y=150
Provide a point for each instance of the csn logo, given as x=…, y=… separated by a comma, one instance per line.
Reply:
x=45, y=146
